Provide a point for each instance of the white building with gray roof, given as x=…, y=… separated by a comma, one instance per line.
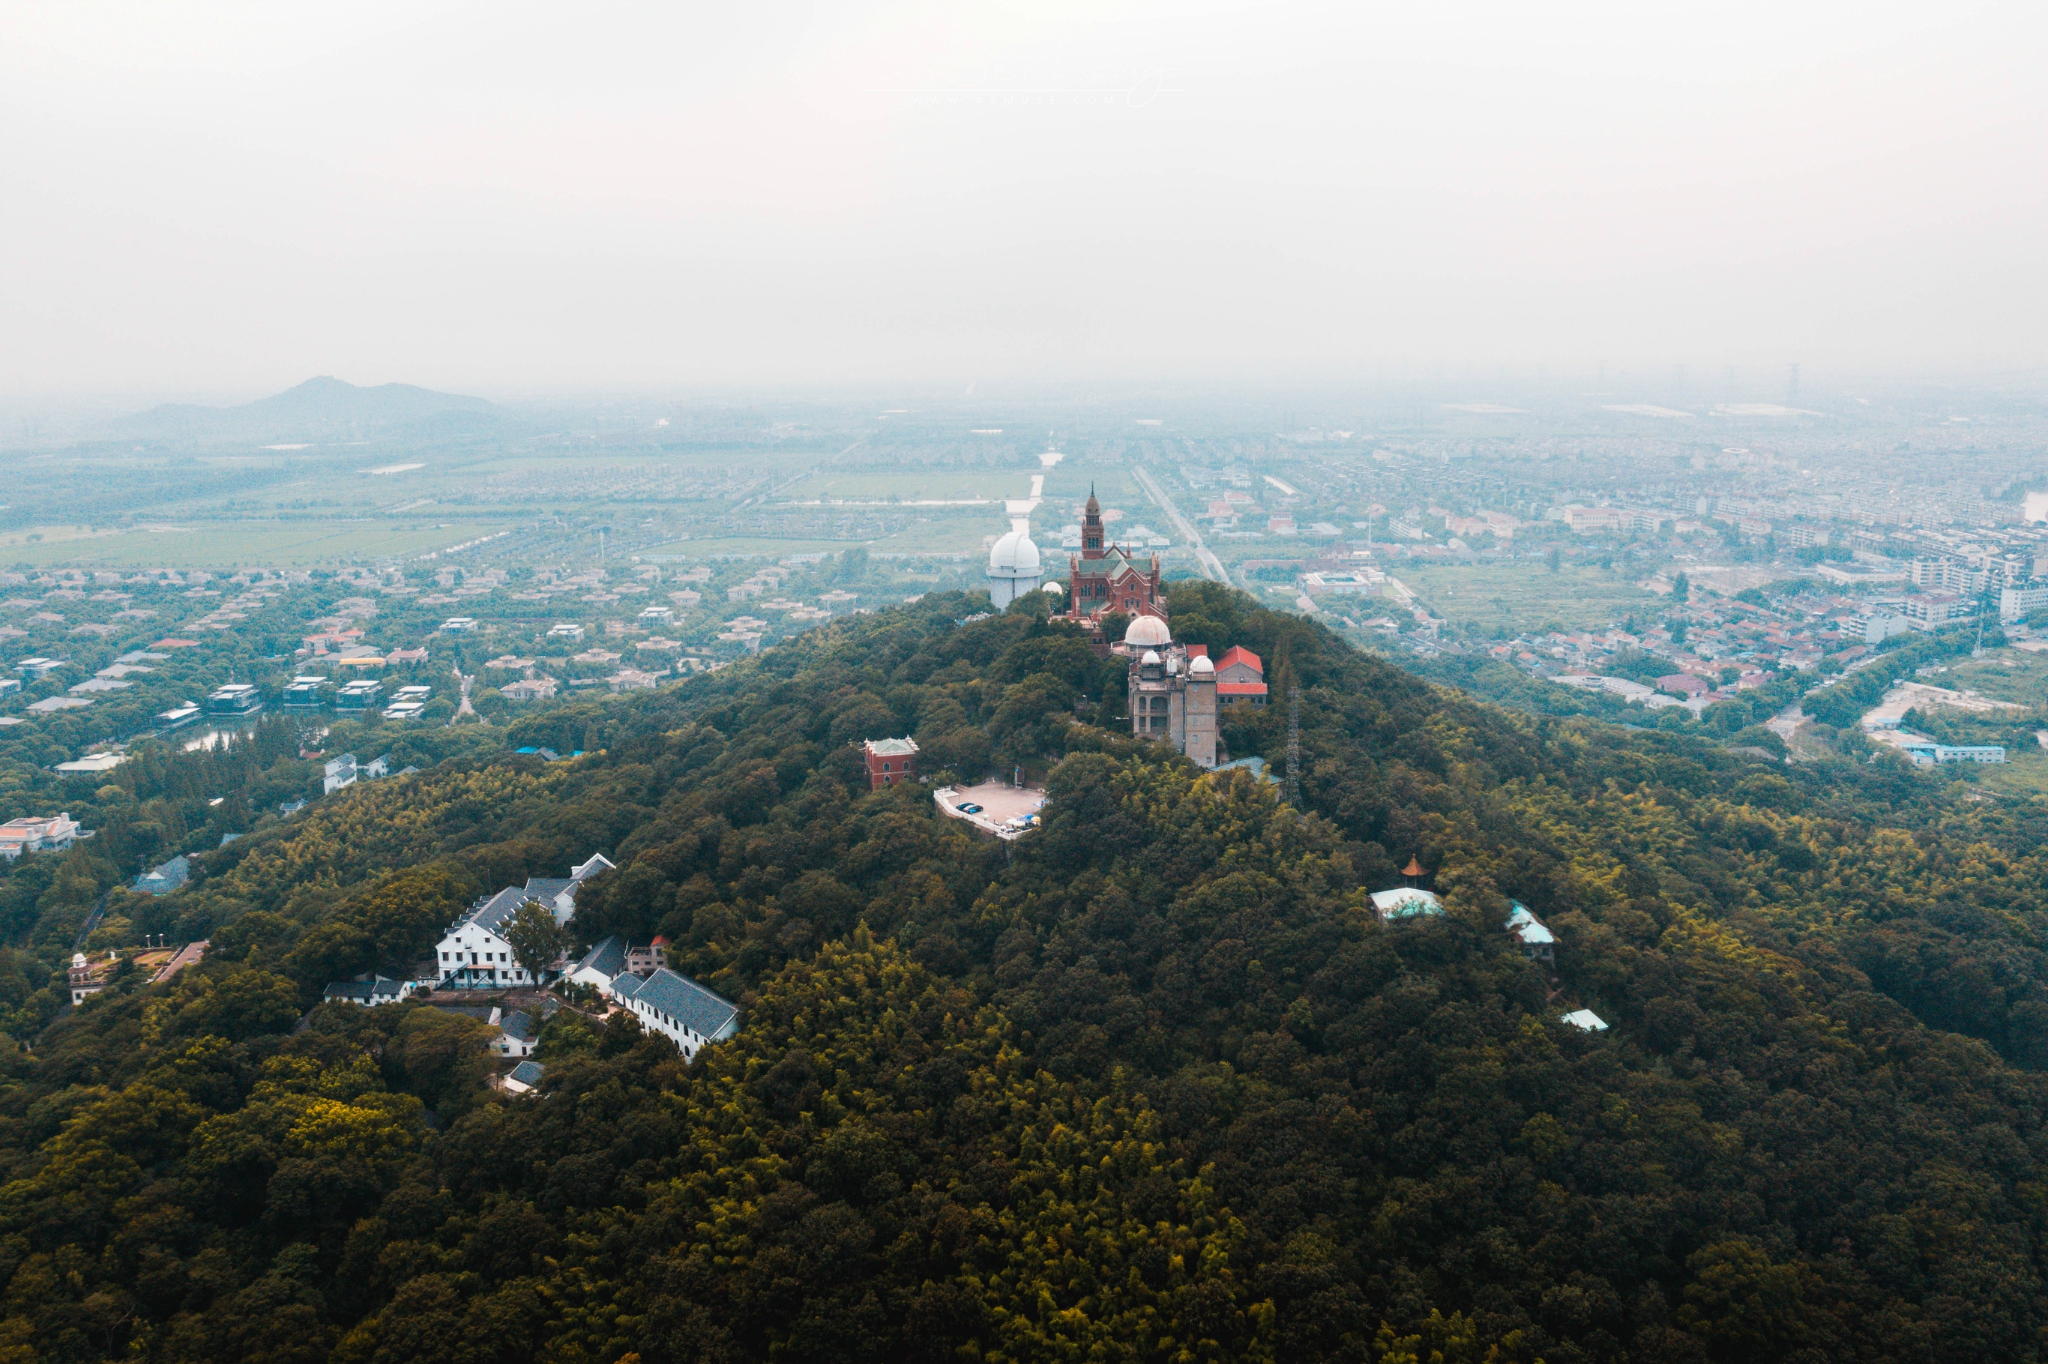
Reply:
x=518, y=1035
x=1538, y=943
x=677, y=1008
x=474, y=953
x=604, y=963
x=525, y=1077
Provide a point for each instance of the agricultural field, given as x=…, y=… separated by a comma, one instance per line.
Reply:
x=941, y=485
x=736, y=546
x=316, y=483
x=2002, y=674
x=301, y=542
x=2023, y=773
x=1518, y=596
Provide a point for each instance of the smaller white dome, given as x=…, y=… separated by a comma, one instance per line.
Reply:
x=1200, y=666
x=1054, y=588
x=1151, y=657
x=1147, y=632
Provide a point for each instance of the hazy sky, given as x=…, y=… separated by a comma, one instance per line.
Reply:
x=223, y=200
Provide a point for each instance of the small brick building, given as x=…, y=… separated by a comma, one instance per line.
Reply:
x=890, y=761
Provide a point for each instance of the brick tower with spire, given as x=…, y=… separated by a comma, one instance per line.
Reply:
x=1107, y=577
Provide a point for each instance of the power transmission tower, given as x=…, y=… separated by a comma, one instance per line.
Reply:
x=1294, y=744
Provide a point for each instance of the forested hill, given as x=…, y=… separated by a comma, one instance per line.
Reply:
x=1150, y=1083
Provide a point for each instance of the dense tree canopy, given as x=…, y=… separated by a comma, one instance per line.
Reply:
x=1151, y=1083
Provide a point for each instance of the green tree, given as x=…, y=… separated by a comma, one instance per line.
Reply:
x=1741, y=1304
x=239, y=1006
x=440, y=1057
x=537, y=940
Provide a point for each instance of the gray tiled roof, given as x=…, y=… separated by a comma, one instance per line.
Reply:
x=361, y=991
x=491, y=915
x=166, y=877
x=519, y=1026
x=528, y=1072
x=608, y=958
x=626, y=987
x=702, y=1011
x=546, y=888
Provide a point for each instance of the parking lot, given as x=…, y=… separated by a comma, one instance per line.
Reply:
x=999, y=802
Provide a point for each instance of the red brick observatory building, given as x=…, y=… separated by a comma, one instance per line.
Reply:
x=890, y=761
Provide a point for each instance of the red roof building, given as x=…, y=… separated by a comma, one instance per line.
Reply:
x=1241, y=676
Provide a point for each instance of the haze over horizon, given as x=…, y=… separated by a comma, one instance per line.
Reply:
x=218, y=202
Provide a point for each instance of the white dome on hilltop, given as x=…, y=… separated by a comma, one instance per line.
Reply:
x=1150, y=658
x=1200, y=666
x=1013, y=556
x=1148, y=632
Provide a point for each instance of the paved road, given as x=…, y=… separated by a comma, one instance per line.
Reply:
x=465, y=708
x=1786, y=721
x=1211, y=565
x=187, y=955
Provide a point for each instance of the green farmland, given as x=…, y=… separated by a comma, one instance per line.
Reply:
x=222, y=544
x=1524, y=596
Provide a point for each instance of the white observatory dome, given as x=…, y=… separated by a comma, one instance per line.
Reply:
x=1148, y=632
x=1013, y=566
x=1150, y=659
x=1200, y=666
x=1013, y=556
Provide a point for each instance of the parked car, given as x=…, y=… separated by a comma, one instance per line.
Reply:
x=968, y=807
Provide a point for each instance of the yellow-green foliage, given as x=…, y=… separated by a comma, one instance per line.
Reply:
x=1150, y=1083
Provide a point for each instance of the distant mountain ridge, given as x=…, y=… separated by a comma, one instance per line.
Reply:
x=318, y=408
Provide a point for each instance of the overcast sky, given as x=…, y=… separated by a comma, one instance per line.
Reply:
x=221, y=201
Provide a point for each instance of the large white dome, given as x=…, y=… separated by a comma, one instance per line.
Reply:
x=1148, y=632
x=1013, y=556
